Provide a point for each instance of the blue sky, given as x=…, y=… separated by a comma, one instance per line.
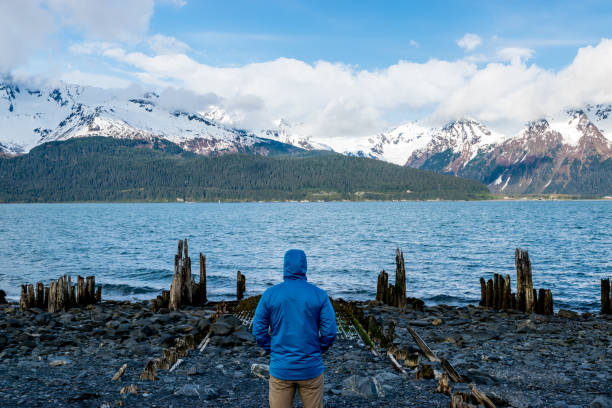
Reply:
x=376, y=34
x=331, y=68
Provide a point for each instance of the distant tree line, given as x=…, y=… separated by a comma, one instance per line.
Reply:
x=107, y=169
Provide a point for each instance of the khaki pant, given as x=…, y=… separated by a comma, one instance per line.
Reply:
x=282, y=392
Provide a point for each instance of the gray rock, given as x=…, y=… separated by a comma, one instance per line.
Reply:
x=221, y=329
x=188, y=390
x=260, y=371
x=244, y=335
x=567, y=314
x=525, y=326
x=600, y=402
x=366, y=387
x=230, y=320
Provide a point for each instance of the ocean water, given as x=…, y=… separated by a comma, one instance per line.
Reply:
x=447, y=246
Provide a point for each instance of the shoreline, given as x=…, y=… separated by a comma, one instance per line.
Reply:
x=519, y=360
x=511, y=199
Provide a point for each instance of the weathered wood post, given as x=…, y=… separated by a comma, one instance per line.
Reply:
x=382, y=286
x=507, y=299
x=187, y=295
x=40, y=295
x=495, y=291
x=400, y=279
x=606, y=301
x=547, y=307
x=483, y=293
x=177, y=280
x=23, y=299
x=524, y=284
x=490, y=293
x=80, y=290
x=240, y=285
x=203, y=298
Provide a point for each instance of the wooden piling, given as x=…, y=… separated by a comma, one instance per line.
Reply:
x=495, y=291
x=483, y=292
x=490, y=293
x=606, y=301
x=381, y=286
x=400, y=279
x=506, y=298
x=203, y=297
x=524, y=284
x=240, y=285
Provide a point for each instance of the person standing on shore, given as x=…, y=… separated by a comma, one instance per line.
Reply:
x=295, y=323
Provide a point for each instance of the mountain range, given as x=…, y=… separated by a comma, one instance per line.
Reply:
x=567, y=153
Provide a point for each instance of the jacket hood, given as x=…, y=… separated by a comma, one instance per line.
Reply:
x=295, y=265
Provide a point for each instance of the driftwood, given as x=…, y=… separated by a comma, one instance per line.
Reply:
x=119, y=373
x=606, y=301
x=452, y=373
x=461, y=400
x=60, y=295
x=240, y=285
x=396, y=364
x=424, y=349
x=481, y=397
x=443, y=387
x=150, y=372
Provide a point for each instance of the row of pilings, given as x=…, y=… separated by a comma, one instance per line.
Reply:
x=61, y=295
x=496, y=293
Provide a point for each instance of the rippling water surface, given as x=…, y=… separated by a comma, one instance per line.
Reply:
x=447, y=246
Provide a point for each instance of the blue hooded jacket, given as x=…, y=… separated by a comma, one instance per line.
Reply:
x=301, y=323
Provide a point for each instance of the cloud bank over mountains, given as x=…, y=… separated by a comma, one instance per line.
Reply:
x=323, y=99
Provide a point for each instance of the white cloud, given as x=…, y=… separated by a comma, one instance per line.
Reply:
x=175, y=3
x=161, y=44
x=469, y=41
x=97, y=80
x=338, y=100
x=515, y=55
x=413, y=43
x=109, y=20
x=91, y=47
x=25, y=29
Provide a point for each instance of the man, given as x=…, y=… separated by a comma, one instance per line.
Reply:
x=295, y=323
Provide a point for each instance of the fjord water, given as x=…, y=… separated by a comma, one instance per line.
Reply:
x=447, y=246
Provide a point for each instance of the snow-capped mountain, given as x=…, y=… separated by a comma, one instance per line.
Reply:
x=413, y=144
x=284, y=132
x=566, y=153
x=569, y=152
x=30, y=116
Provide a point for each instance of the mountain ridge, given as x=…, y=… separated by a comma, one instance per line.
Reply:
x=543, y=153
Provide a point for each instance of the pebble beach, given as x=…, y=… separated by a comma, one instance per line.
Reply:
x=69, y=358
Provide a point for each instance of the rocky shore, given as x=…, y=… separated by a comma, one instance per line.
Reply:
x=519, y=360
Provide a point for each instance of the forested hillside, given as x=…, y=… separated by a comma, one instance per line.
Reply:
x=107, y=169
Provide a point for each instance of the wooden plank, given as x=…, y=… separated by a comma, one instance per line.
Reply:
x=452, y=373
x=481, y=397
x=424, y=349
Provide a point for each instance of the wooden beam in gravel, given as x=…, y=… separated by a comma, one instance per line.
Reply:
x=452, y=373
x=424, y=349
x=481, y=397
